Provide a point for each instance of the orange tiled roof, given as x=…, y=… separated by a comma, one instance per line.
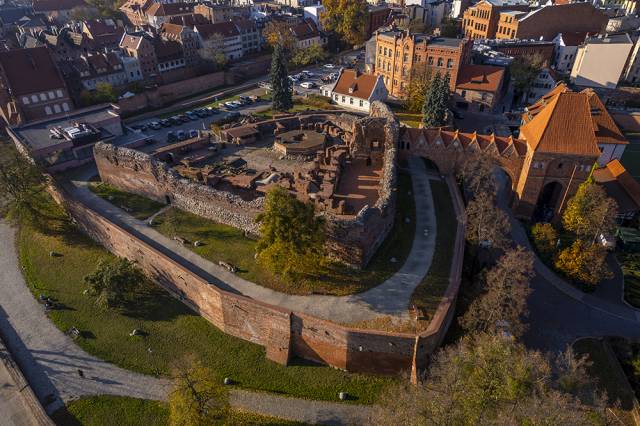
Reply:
x=607, y=132
x=485, y=78
x=614, y=172
x=355, y=84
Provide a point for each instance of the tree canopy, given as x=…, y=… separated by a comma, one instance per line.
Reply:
x=20, y=182
x=347, y=18
x=487, y=224
x=113, y=281
x=492, y=380
x=291, y=235
x=524, y=70
x=312, y=54
x=197, y=398
x=501, y=305
x=590, y=212
x=280, y=83
x=436, y=98
x=584, y=262
x=278, y=33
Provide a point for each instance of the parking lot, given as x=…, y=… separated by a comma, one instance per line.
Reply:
x=192, y=123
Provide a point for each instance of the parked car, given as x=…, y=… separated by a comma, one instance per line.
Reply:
x=231, y=105
x=155, y=125
x=193, y=133
x=245, y=99
x=308, y=85
x=184, y=118
x=329, y=66
x=181, y=135
x=171, y=136
x=165, y=123
x=175, y=120
x=308, y=74
x=212, y=110
x=192, y=115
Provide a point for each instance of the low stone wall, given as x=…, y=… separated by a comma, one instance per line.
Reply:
x=139, y=173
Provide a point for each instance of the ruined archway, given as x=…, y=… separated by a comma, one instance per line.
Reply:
x=547, y=202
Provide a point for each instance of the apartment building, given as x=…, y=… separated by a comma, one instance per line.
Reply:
x=225, y=34
x=481, y=20
x=399, y=55
x=566, y=49
x=589, y=70
x=187, y=38
x=547, y=22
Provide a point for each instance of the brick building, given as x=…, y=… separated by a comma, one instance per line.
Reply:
x=187, y=38
x=399, y=55
x=524, y=48
x=140, y=46
x=479, y=87
x=481, y=20
x=32, y=86
x=548, y=21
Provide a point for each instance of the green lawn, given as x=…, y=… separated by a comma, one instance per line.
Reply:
x=137, y=206
x=300, y=104
x=631, y=157
x=173, y=330
x=608, y=380
x=107, y=410
x=428, y=295
x=411, y=119
x=226, y=243
x=630, y=263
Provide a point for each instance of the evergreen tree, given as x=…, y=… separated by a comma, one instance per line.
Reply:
x=443, y=100
x=280, y=83
x=430, y=102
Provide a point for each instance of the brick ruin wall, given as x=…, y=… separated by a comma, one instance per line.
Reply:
x=139, y=173
x=283, y=334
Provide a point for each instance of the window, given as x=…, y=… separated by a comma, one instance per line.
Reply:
x=51, y=95
x=344, y=99
x=361, y=103
x=34, y=98
x=449, y=63
x=350, y=101
x=25, y=100
x=65, y=106
x=56, y=108
x=43, y=97
x=59, y=93
x=47, y=110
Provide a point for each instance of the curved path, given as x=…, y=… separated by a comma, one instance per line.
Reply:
x=559, y=313
x=50, y=360
x=391, y=298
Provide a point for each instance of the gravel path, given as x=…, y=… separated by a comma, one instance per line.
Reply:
x=391, y=298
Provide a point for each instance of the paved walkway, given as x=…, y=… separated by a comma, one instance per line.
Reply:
x=559, y=313
x=391, y=298
x=50, y=361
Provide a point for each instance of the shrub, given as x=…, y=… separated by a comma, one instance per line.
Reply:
x=584, y=263
x=545, y=238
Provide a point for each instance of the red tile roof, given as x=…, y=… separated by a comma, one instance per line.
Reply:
x=226, y=29
x=352, y=83
x=484, y=78
x=30, y=71
x=620, y=185
x=505, y=146
x=169, y=9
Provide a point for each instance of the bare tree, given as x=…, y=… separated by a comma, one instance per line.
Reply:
x=476, y=170
x=212, y=51
x=487, y=225
x=502, y=303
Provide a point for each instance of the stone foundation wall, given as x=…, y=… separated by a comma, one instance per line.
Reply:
x=139, y=173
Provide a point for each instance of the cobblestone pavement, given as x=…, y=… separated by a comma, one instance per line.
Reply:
x=391, y=298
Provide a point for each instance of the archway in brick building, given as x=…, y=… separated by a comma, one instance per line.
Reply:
x=547, y=202
x=431, y=165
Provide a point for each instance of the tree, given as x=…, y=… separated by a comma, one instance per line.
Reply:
x=449, y=28
x=291, y=235
x=347, y=18
x=487, y=224
x=476, y=170
x=502, y=303
x=545, y=238
x=524, y=70
x=280, y=83
x=83, y=13
x=105, y=93
x=434, y=110
x=197, y=398
x=417, y=88
x=113, y=281
x=312, y=54
x=212, y=51
x=584, y=262
x=278, y=33
x=590, y=212
x=492, y=380
x=21, y=181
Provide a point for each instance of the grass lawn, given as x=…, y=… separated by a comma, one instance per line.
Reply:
x=226, y=243
x=428, y=295
x=606, y=375
x=313, y=102
x=631, y=157
x=107, y=410
x=137, y=206
x=630, y=263
x=173, y=330
x=411, y=119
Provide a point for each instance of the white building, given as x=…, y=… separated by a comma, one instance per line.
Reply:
x=353, y=90
x=313, y=13
x=632, y=71
x=546, y=80
x=600, y=62
x=566, y=49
